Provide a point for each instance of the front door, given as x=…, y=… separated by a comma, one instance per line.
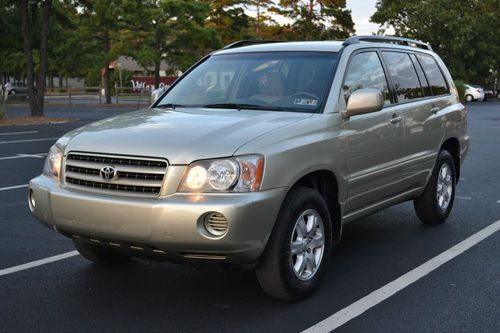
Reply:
x=374, y=141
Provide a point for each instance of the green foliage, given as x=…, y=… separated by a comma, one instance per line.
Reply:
x=229, y=20
x=463, y=32
x=166, y=30
x=126, y=77
x=93, y=77
x=460, y=89
x=317, y=19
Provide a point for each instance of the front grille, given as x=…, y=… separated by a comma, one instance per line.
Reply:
x=133, y=176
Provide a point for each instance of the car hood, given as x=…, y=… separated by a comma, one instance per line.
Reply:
x=180, y=136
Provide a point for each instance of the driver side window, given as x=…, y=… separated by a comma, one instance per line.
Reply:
x=365, y=71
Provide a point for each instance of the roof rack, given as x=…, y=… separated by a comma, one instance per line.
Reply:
x=249, y=42
x=388, y=39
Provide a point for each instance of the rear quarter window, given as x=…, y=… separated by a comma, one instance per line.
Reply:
x=433, y=74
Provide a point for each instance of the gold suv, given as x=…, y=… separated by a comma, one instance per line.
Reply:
x=258, y=155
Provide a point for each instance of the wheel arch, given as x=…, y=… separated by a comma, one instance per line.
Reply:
x=452, y=145
x=325, y=182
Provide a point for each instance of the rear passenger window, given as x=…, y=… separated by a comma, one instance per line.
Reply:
x=421, y=76
x=434, y=75
x=366, y=71
x=403, y=76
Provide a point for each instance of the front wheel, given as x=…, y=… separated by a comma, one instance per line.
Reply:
x=99, y=255
x=435, y=204
x=294, y=261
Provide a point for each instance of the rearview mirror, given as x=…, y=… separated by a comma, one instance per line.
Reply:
x=364, y=101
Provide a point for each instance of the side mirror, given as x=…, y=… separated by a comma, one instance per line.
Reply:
x=156, y=93
x=364, y=101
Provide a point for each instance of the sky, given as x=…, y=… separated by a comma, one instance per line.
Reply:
x=361, y=12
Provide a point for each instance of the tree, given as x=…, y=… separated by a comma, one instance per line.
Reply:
x=36, y=97
x=229, y=20
x=262, y=18
x=463, y=32
x=317, y=19
x=100, y=21
x=71, y=52
x=11, y=55
x=173, y=30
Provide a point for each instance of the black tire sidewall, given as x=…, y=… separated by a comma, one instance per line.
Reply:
x=301, y=200
x=444, y=157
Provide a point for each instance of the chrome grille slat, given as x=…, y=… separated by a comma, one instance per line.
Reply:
x=119, y=167
x=118, y=181
x=134, y=176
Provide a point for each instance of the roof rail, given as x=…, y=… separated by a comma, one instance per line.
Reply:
x=249, y=42
x=388, y=39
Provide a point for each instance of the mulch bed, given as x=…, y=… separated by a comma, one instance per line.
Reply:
x=7, y=121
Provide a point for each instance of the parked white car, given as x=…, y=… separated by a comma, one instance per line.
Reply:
x=473, y=92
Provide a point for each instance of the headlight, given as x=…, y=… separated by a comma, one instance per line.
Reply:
x=52, y=166
x=238, y=174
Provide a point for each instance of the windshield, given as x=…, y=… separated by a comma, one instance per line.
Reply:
x=276, y=81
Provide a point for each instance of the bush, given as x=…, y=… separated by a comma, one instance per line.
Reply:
x=460, y=89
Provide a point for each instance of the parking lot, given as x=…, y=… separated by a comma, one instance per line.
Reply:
x=68, y=293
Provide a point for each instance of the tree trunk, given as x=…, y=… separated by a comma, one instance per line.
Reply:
x=157, y=73
x=44, y=56
x=36, y=98
x=257, y=27
x=28, y=52
x=107, y=74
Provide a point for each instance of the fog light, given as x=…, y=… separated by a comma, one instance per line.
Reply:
x=31, y=200
x=215, y=224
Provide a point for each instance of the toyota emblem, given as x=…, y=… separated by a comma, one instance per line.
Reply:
x=108, y=172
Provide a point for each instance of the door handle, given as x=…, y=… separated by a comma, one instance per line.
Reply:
x=396, y=120
x=435, y=109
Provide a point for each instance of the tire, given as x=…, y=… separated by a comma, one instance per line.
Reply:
x=99, y=255
x=435, y=204
x=275, y=272
x=469, y=98
x=12, y=92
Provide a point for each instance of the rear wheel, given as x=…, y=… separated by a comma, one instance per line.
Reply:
x=12, y=92
x=294, y=262
x=99, y=255
x=435, y=204
x=469, y=98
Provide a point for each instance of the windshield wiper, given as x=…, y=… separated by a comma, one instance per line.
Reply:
x=243, y=106
x=169, y=106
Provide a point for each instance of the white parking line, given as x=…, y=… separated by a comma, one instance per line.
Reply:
x=13, y=187
x=464, y=198
x=41, y=155
x=36, y=263
x=15, y=133
x=30, y=140
x=359, y=307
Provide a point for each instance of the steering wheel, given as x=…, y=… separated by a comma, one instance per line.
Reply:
x=303, y=93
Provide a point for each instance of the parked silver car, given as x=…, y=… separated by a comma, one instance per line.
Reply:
x=15, y=88
x=258, y=155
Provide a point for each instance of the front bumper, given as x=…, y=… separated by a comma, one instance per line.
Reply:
x=168, y=224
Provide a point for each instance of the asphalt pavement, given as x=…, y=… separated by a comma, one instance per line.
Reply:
x=462, y=295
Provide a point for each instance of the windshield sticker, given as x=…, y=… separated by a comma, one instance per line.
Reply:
x=307, y=102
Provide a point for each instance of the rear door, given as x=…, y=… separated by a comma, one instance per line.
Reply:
x=374, y=141
x=418, y=102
